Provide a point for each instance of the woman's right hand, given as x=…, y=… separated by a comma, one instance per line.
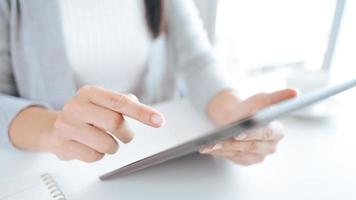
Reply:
x=86, y=128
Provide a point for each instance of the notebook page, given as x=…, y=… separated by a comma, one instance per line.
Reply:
x=29, y=188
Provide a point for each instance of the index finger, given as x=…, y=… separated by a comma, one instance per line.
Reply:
x=123, y=104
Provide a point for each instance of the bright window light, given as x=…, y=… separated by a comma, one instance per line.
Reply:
x=255, y=33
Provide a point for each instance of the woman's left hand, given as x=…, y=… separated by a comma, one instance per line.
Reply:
x=253, y=146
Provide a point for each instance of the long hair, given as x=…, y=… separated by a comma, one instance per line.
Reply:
x=154, y=16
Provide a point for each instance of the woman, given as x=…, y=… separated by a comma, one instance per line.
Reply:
x=67, y=68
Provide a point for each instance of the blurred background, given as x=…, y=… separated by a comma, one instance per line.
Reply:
x=254, y=34
x=263, y=41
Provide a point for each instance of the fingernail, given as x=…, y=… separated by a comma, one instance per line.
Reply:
x=217, y=147
x=205, y=150
x=242, y=136
x=211, y=148
x=157, y=120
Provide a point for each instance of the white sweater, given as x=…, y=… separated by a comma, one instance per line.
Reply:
x=113, y=54
x=38, y=71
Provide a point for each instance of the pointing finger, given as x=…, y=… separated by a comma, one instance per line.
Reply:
x=123, y=104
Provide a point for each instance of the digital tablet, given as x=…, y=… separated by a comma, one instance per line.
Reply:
x=259, y=119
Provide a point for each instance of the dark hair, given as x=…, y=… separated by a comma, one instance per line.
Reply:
x=154, y=15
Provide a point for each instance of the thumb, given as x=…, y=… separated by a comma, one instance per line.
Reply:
x=263, y=100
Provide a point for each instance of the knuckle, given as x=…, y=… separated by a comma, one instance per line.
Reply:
x=76, y=109
x=109, y=146
x=118, y=101
x=113, y=123
x=72, y=106
x=92, y=156
x=86, y=90
x=118, y=118
x=60, y=124
x=62, y=130
x=127, y=136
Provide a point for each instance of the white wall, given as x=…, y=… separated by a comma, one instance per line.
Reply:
x=259, y=32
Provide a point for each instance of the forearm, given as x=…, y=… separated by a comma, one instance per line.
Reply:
x=28, y=130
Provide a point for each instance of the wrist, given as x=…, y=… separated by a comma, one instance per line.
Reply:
x=30, y=129
x=46, y=122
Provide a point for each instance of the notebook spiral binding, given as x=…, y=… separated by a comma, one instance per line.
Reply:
x=52, y=187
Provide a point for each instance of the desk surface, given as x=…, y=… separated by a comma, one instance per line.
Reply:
x=316, y=160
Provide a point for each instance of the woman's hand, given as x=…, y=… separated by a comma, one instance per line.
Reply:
x=87, y=127
x=253, y=146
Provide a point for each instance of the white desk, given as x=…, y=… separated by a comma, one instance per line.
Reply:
x=316, y=160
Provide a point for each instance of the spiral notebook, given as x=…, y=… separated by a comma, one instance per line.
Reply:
x=40, y=187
